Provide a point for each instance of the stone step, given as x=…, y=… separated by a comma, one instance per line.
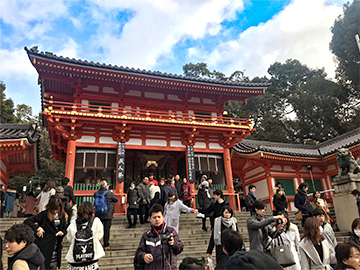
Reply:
x=124, y=241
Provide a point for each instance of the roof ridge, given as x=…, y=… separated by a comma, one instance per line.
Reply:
x=34, y=51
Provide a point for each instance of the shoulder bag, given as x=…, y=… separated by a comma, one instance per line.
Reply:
x=282, y=253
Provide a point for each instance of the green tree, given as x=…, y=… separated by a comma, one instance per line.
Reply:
x=345, y=49
x=6, y=107
x=23, y=114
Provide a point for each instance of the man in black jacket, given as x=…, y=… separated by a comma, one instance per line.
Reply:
x=107, y=217
x=302, y=202
x=144, y=193
x=23, y=252
x=133, y=200
x=250, y=199
x=178, y=185
x=69, y=196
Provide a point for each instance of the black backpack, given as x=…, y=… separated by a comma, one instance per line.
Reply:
x=84, y=243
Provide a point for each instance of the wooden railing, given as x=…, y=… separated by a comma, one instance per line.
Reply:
x=140, y=114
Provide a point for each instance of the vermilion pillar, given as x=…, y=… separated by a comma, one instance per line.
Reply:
x=229, y=178
x=70, y=161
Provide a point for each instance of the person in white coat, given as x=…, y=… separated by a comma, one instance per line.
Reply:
x=85, y=213
x=289, y=234
x=172, y=209
x=315, y=250
x=45, y=194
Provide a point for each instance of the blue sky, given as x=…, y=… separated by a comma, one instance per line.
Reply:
x=164, y=35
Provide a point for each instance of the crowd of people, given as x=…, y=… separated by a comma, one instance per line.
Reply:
x=37, y=243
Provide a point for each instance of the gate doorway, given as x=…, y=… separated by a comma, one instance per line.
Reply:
x=140, y=163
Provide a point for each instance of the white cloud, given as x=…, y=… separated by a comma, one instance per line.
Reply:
x=70, y=49
x=15, y=63
x=301, y=31
x=156, y=26
x=19, y=12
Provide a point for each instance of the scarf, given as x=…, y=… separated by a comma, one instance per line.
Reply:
x=157, y=229
x=253, y=195
x=217, y=228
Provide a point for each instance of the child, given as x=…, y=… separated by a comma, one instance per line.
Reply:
x=153, y=254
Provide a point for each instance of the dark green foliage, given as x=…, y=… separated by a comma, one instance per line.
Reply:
x=345, y=49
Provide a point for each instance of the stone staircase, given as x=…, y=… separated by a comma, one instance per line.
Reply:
x=124, y=241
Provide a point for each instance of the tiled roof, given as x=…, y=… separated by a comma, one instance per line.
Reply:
x=19, y=131
x=49, y=55
x=320, y=150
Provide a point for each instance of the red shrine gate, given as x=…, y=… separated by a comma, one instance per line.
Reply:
x=119, y=124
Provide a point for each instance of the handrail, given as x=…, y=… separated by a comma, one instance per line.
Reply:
x=134, y=113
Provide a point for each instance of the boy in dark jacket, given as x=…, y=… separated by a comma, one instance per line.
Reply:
x=159, y=247
x=133, y=200
x=23, y=252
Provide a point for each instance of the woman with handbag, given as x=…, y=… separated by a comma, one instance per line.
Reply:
x=318, y=202
x=50, y=228
x=226, y=221
x=289, y=236
x=315, y=250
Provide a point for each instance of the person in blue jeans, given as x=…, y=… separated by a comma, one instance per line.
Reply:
x=107, y=217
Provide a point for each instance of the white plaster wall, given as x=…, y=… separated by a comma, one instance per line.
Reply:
x=133, y=93
x=154, y=95
x=276, y=168
x=94, y=88
x=194, y=100
x=261, y=189
x=289, y=169
x=106, y=140
x=3, y=166
x=208, y=101
x=215, y=146
x=200, y=145
x=156, y=142
x=86, y=139
x=176, y=144
x=134, y=142
x=109, y=90
x=331, y=168
x=254, y=171
x=173, y=97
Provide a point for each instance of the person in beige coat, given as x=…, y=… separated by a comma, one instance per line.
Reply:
x=315, y=250
x=318, y=202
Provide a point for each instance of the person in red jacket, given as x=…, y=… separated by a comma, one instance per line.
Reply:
x=186, y=193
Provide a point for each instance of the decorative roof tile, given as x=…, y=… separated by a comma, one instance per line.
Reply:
x=320, y=150
x=19, y=131
x=35, y=52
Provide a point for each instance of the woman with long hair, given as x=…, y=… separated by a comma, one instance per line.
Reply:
x=172, y=209
x=315, y=250
x=319, y=202
x=226, y=221
x=348, y=256
x=50, y=228
x=280, y=202
x=289, y=235
x=85, y=217
x=355, y=231
x=45, y=194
